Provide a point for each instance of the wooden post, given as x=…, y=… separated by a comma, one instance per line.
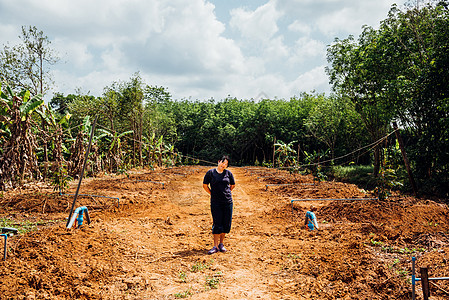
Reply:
x=404, y=156
x=425, y=283
x=274, y=149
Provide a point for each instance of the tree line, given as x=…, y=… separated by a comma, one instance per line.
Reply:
x=399, y=73
x=396, y=74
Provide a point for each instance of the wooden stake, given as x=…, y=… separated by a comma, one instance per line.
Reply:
x=82, y=171
x=425, y=283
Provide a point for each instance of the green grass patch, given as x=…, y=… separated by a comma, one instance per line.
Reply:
x=199, y=266
x=184, y=294
x=212, y=282
x=359, y=175
x=22, y=227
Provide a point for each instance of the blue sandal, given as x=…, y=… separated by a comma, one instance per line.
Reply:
x=221, y=248
x=213, y=250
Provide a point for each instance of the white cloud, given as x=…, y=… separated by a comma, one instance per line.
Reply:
x=344, y=19
x=193, y=37
x=306, y=49
x=176, y=38
x=274, y=46
x=9, y=34
x=77, y=54
x=313, y=80
x=113, y=59
x=298, y=26
x=333, y=17
x=260, y=24
x=269, y=84
x=276, y=49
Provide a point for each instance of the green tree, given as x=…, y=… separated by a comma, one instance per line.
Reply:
x=399, y=72
x=59, y=103
x=244, y=129
x=132, y=108
x=362, y=71
x=422, y=38
x=158, y=116
x=324, y=121
x=27, y=65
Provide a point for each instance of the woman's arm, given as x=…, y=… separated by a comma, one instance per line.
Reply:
x=232, y=186
x=315, y=223
x=206, y=188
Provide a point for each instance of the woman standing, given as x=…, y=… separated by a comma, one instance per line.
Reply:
x=219, y=183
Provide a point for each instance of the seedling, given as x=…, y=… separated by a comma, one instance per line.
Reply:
x=199, y=266
x=395, y=262
x=376, y=243
x=182, y=276
x=184, y=294
x=294, y=256
x=5, y=222
x=212, y=282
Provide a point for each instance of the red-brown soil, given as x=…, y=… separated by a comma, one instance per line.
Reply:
x=154, y=245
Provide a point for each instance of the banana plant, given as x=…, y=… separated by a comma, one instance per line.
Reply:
x=26, y=105
x=16, y=108
x=114, y=152
x=116, y=137
x=49, y=117
x=286, y=154
x=156, y=149
x=17, y=157
x=312, y=162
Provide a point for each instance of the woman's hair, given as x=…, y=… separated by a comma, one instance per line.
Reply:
x=225, y=157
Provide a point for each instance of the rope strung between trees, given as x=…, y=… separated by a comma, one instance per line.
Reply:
x=370, y=146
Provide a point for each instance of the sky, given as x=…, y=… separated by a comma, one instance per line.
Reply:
x=195, y=49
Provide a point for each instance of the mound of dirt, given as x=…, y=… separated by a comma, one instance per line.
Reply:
x=151, y=230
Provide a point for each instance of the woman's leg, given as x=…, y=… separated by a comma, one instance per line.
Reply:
x=217, y=226
x=217, y=239
x=222, y=237
x=222, y=217
x=227, y=221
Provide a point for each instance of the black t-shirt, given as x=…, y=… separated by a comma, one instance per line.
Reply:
x=220, y=185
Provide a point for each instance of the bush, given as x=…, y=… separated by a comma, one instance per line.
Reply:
x=359, y=175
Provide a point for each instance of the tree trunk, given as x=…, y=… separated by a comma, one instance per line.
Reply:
x=405, y=158
x=376, y=161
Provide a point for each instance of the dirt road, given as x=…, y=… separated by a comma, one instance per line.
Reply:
x=155, y=245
